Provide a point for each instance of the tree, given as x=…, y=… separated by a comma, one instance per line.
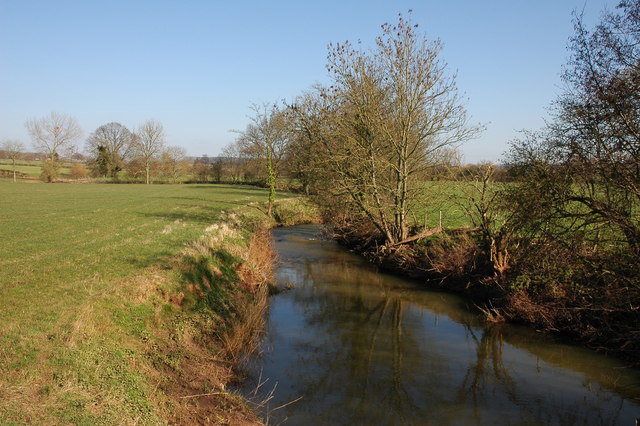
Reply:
x=304, y=156
x=173, y=162
x=100, y=165
x=149, y=143
x=54, y=135
x=202, y=168
x=580, y=176
x=266, y=138
x=50, y=170
x=79, y=171
x=389, y=117
x=236, y=162
x=13, y=150
x=111, y=146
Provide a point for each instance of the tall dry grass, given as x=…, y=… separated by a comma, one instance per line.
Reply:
x=243, y=338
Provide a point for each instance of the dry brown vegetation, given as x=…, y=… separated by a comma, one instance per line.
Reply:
x=212, y=348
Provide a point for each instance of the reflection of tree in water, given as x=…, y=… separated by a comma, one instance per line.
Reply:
x=486, y=372
x=488, y=376
x=367, y=367
x=367, y=356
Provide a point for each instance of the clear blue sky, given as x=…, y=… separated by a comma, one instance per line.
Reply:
x=197, y=66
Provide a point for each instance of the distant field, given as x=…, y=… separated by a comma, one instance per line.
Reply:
x=67, y=254
x=33, y=168
x=63, y=231
x=447, y=201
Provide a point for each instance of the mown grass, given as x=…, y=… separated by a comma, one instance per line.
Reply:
x=86, y=276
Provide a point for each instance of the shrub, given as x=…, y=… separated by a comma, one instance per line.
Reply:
x=79, y=171
x=50, y=171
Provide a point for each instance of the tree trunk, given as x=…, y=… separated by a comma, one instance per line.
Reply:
x=271, y=181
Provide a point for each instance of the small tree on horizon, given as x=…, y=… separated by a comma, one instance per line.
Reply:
x=148, y=145
x=14, y=151
x=54, y=136
x=111, y=146
x=267, y=138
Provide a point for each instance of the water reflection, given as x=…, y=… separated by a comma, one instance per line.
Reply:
x=362, y=347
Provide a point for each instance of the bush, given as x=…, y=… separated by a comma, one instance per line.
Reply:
x=79, y=171
x=50, y=171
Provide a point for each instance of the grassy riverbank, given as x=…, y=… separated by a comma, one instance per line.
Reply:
x=128, y=303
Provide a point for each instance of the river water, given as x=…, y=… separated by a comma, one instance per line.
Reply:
x=356, y=346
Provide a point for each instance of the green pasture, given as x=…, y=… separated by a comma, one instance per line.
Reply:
x=37, y=163
x=33, y=169
x=62, y=231
x=69, y=258
x=446, y=204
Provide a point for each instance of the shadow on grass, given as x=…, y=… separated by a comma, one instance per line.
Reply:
x=200, y=216
x=234, y=187
x=209, y=276
x=208, y=201
x=141, y=262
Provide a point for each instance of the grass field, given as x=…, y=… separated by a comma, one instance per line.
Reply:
x=446, y=204
x=33, y=169
x=72, y=261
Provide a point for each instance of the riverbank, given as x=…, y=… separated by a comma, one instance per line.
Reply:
x=600, y=316
x=220, y=313
x=129, y=310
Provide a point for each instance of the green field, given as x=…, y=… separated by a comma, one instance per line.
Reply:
x=71, y=262
x=33, y=169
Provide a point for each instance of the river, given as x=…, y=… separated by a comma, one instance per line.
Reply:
x=352, y=345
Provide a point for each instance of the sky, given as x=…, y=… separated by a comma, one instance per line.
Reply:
x=198, y=66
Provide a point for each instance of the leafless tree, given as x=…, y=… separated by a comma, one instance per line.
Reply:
x=580, y=176
x=149, y=143
x=117, y=145
x=54, y=135
x=267, y=138
x=13, y=150
x=235, y=161
x=173, y=162
x=305, y=154
x=394, y=115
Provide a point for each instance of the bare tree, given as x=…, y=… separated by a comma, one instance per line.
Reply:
x=393, y=115
x=267, y=138
x=304, y=156
x=173, y=162
x=54, y=135
x=482, y=200
x=110, y=145
x=580, y=176
x=13, y=151
x=235, y=161
x=149, y=143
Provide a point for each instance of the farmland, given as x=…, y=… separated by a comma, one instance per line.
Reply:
x=79, y=266
x=32, y=169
